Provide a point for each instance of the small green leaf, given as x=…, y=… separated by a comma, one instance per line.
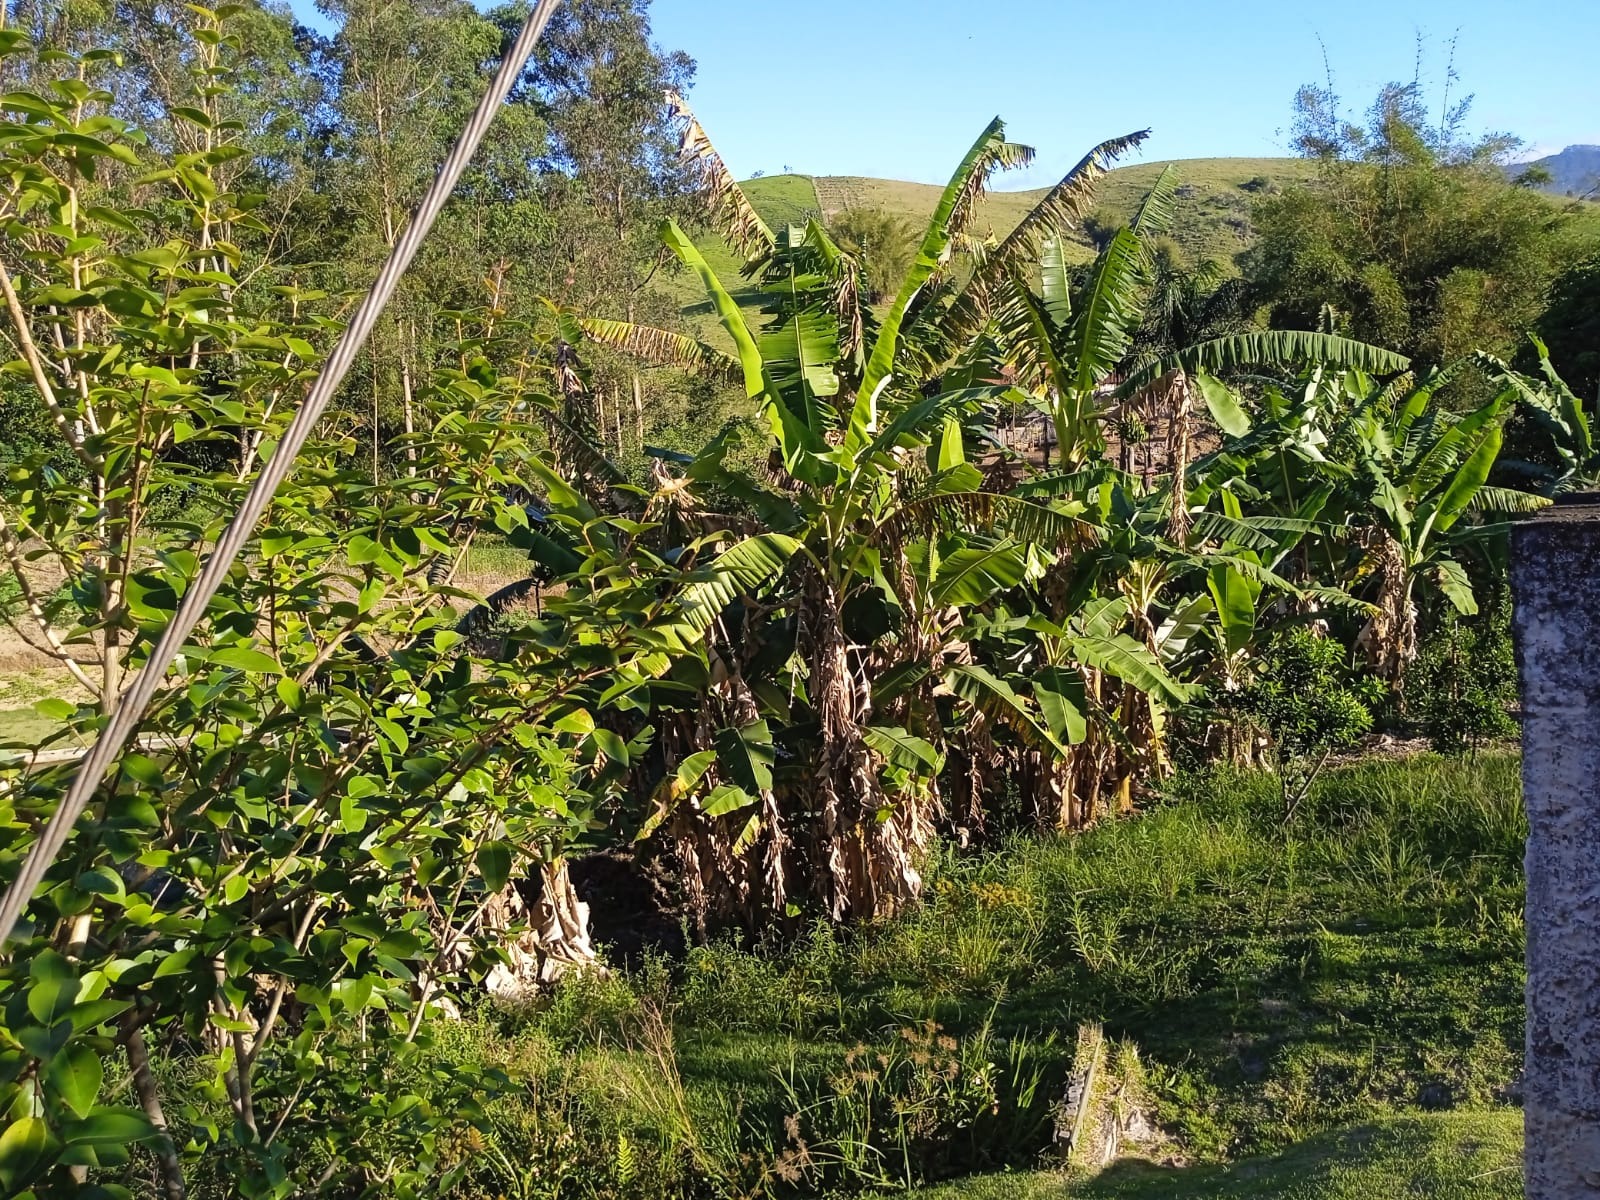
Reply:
x=55, y=710
x=612, y=746
x=241, y=658
x=51, y=998
x=351, y=815
x=175, y=963
x=75, y=1075
x=494, y=864
x=903, y=749
x=578, y=721
x=746, y=754
x=1224, y=405
x=109, y=1125
x=360, y=550
x=693, y=769
x=23, y=1145
x=400, y=943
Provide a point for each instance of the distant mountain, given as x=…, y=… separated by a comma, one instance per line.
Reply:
x=1573, y=172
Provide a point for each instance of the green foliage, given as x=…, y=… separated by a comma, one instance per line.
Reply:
x=787, y=658
x=1456, y=1156
x=1464, y=682
x=1570, y=327
x=1411, y=236
x=1310, y=704
x=884, y=241
x=313, y=839
x=1276, y=992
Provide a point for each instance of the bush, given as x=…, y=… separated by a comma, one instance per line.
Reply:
x=1311, y=704
x=1465, y=680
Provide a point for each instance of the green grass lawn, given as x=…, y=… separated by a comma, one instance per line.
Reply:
x=1332, y=1010
x=1454, y=1156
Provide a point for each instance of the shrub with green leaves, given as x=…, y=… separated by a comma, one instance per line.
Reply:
x=314, y=841
x=1311, y=705
x=1464, y=681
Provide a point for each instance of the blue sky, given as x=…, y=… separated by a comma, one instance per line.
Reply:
x=899, y=88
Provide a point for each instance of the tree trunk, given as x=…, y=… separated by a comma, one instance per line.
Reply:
x=555, y=942
x=144, y=1086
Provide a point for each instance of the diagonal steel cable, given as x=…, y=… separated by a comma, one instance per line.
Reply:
x=130, y=706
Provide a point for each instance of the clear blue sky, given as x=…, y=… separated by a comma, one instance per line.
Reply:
x=899, y=88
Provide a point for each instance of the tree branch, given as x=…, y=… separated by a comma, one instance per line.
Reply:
x=144, y=1084
x=30, y=354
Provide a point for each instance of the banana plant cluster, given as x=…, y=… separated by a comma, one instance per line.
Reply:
x=920, y=633
x=914, y=636
x=1391, y=491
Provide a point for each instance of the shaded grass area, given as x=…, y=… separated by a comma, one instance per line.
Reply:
x=1454, y=1156
x=1271, y=987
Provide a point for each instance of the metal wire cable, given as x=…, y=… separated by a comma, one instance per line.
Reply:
x=130, y=706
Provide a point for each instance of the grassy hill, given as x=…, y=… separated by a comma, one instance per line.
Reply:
x=1213, y=212
x=1212, y=220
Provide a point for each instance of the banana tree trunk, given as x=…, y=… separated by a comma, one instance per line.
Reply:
x=1389, y=638
x=866, y=863
x=555, y=939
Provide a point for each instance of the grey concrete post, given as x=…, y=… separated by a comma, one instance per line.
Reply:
x=1555, y=576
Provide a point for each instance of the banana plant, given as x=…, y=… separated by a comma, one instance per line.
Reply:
x=1065, y=346
x=821, y=772
x=1397, y=480
x=1558, y=412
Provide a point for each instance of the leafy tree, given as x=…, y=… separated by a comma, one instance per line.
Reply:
x=315, y=843
x=1410, y=234
x=1464, y=682
x=1570, y=328
x=883, y=242
x=1311, y=705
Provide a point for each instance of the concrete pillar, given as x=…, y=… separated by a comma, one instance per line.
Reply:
x=1555, y=576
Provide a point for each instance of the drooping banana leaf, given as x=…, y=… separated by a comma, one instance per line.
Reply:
x=1040, y=236
x=665, y=347
x=741, y=225
x=1130, y=661
x=728, y=313
x=904, y=749
x=1274, y=347
x=741, y=568
x=1001, y=703
x=973, y=574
